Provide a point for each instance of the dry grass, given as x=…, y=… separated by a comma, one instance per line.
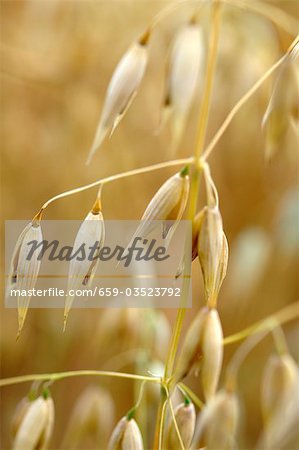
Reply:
x=56, y=65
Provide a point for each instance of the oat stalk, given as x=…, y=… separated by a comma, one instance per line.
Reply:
x=74, y=373
x=202, y=127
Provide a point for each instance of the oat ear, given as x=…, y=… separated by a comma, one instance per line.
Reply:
x=81, y=273
x=185, y=417
x=121, y=91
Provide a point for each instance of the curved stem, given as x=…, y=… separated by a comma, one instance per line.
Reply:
x=74, y=373
x=242, y=102
x=102, y=181
x=270, y=12
x=138, y=402
x=286, y=314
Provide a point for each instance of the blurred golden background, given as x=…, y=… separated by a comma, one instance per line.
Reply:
x=56, y=62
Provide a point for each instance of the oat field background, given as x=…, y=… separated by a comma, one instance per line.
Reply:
x=56, y=62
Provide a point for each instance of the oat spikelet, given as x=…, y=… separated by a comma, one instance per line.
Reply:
x=278, y=385
x=203, y=348
x=212, y=252
x=36, y=426
x=280, y=403
x=126, y=436
x=217, y=423
x=132, y=439
x=191, y=352
x=92, y=417
x=168, y=204
x=81, y=273
x=24, y=268
x=183, y=70
x=121, y=91
x=185, y=417
x=283, y=105
x=212, y=351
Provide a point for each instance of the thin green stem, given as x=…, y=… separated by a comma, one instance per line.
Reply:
x=74, y=373
x=286, y=314
x=132, y=411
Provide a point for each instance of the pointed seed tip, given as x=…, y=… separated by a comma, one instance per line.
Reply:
x=18, y=334
x=64, y=323
x=144, y=38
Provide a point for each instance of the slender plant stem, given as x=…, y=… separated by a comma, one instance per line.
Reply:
x=244, y=100
x=270, y=12
x=74, y=373
x=286, y=314
x=139, y=399
x=161, y=425
x=239, y=357
x=203, y=121
x=279, y=339
x=187, y=391
x=102, y=181
x=159, y=429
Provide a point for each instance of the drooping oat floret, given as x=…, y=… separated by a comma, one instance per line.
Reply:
x=185, y=417
x=81, y=272
x=121, y=91
x=202, y=350
x=126, y=436
x=36, y=426
x=24, y=268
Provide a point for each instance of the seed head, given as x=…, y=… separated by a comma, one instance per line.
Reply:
x=24, y=272
x=182, y=76
x=35, y=429
x=212, y=252
x=81, y=273
x=119, y=329
x=203, y=346
x=132, y=439
x=212, y=351
x=280, y=403
x=278, y=385
x=185, y=417
x=191, y=352
x=217, y=423
x=283, y=105
x=19, y=415
x=126, y=436
x=121, y=91
x=168, y=204
x=92, y=417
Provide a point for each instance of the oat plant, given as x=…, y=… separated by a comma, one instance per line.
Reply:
x=183, y=420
